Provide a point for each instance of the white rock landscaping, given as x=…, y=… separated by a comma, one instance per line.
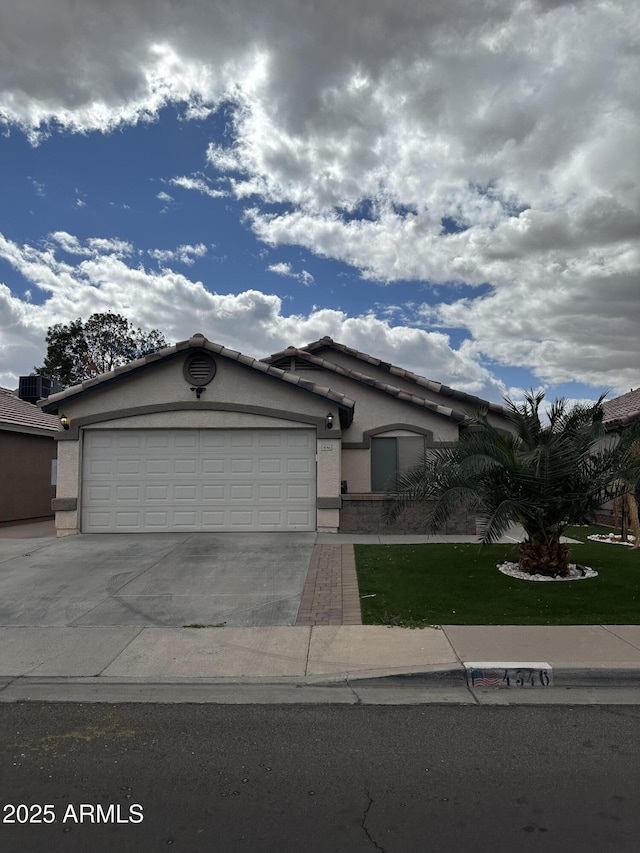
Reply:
x=613, y=538
x=575, y=573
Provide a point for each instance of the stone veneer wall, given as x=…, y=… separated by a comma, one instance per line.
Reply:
x=363, y=514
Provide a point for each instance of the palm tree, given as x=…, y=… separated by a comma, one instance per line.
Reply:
x=542, y=476
x=628, y=501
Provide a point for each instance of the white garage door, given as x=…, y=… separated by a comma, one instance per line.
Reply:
x=161, y=480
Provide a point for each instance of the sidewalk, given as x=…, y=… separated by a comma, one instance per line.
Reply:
x=320, y=651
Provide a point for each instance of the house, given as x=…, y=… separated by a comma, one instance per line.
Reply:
x=622, y=411
x=619, y=413
x=200, y=437
x=27, y=459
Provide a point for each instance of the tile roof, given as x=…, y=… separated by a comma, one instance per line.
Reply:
x=198, y=341
x=431, y=385
x=622, y=410
x=394, y=391
x=18, y=415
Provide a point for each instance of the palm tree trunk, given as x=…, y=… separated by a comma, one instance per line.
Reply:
x=544, y=558
x=634, y=520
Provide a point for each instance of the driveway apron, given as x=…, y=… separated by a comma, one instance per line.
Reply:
x=170, y=579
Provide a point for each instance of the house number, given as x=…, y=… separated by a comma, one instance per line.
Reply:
x=326, y=447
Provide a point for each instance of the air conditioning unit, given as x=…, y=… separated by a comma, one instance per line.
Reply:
x=34, y=388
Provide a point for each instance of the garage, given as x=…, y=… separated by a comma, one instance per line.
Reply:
x=163, y=480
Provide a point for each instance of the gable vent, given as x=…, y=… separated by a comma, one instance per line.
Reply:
x=303, y=366
x=199, y=369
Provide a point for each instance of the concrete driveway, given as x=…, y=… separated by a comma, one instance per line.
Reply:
x=170, y=579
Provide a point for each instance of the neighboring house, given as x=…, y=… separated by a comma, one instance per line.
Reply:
x=27, y=459
x=619, y=413
x=200, y=437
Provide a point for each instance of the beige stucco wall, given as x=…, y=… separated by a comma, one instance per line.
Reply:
x=164, y=383
x=356, y=470
x=376, y=409
x=25, y=475
x=382, y=375
x=67, y=521
x=194, y=419
x=328, y=455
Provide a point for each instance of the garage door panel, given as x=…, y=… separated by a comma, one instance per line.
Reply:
x=298, y=492
x=213, y=466
x=154, y=519
x=156, y=492
x=129, y=493
x=156, y=467
x=100, y=494
x=299, y=438
x=213, y=439
x=270, y=466
x=213, y=520
x=298, y=466
x=128, y=519
x=188, y=492
x=99, y=521
x=242, y=466
x=212, y=493
x=185, y=466
x=101, y=467
x=238, y=492
x=270, y=492
x=241, y=518
x=242, y=438
x=298, y=518
x=269, y=517
x=164, y=480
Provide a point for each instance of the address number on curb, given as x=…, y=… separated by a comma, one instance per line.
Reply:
x=509, y=674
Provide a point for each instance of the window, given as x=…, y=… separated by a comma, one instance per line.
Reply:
x=389, y=456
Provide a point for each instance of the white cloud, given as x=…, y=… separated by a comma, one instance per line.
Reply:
x=377, y=124
x=284, y=268
x=198, y=184
x=163, y=196
x=185, y=254
x=91, y=246
x=252, y=322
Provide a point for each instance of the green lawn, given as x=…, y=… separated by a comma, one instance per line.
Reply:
x=418, y=585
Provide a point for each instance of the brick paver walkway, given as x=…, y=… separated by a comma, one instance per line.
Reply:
x=330, y=595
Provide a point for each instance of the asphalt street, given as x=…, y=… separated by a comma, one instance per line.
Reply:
x=322, y=778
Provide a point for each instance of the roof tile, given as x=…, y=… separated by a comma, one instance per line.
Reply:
x=622, y=409
x=342, y=399
x=19, y=413
x=436, y=387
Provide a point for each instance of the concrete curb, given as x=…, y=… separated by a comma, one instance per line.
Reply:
x=338, y=687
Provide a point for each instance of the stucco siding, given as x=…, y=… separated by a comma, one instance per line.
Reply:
x=193, y=419
x=382, y=375
x=375, y=409
x=165, y=383
x=328, y=455
x=356, y=470
x=25, y=475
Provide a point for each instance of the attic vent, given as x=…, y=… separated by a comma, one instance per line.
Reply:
x=199, y=369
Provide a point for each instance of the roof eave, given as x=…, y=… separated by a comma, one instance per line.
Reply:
x=53, y=403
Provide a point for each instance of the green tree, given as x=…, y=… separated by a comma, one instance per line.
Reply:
x=77, y=351
x=542, y=476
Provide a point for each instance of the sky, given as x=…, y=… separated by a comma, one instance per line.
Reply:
x=452, y=187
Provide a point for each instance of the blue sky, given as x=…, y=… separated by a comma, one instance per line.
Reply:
x=454, y=190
